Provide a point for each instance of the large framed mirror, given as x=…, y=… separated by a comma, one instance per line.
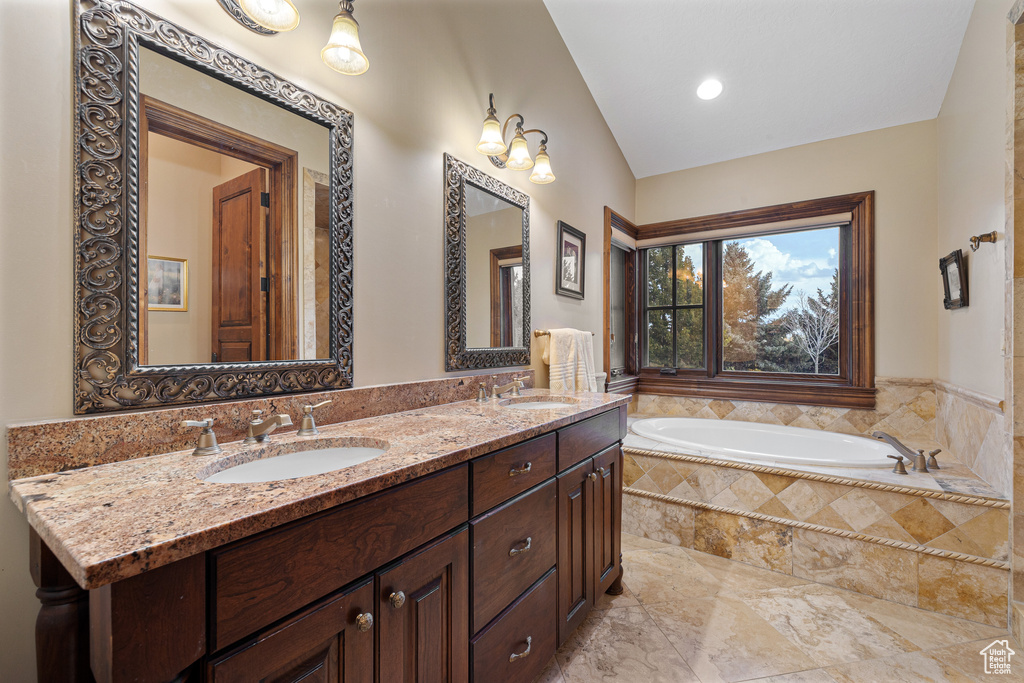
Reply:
x=213, y=221
x=487, y=270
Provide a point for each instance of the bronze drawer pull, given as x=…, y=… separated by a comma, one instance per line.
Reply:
x=364, y=622
x=520, y=551
x=519, y=655
x=397, y=599
x=516, y=471
x=592, y=477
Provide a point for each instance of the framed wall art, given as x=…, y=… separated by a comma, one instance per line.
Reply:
x=571, y=261
x=954, y=280
x=166, y=283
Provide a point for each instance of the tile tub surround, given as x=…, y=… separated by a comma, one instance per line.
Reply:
x=689, y=616
x=972, y=427
x=112, y=521
x=904, y=408
x=941, y=584
x=58, y=445
x=940, y=519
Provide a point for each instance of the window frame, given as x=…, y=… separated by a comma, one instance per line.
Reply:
x=853, y=387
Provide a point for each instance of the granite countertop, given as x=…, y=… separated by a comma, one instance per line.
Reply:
x=109, y=522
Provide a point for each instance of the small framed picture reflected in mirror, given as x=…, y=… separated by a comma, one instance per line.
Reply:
x=954, y=280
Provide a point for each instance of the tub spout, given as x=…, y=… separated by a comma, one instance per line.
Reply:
x=917, y=458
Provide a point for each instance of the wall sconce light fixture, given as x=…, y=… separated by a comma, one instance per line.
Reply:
x=274, y=15
x=516, y=155
x=343, y=52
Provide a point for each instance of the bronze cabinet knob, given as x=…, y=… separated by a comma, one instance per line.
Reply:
x=364, y=622
x=397, y=599
x=592, y=476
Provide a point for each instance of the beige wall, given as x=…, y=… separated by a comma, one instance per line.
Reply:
x=432, y=65
x=484, y=232
x=971, y=137
x=898, y=163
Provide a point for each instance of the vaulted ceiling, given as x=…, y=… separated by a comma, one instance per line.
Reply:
x=794, y=71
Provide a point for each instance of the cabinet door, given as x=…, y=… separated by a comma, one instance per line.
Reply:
x=575, y=546
x=423, y=609
x=330, y=642
x=607, y=517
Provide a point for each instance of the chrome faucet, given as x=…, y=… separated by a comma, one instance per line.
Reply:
x=515, y=385
x=260, y=429
x=917, y=458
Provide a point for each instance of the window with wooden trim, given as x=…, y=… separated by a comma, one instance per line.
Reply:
x=771, y=304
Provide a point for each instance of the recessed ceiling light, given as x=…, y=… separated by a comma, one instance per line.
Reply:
x=709, y=89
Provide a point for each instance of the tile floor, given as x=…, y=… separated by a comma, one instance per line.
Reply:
x=688, y=617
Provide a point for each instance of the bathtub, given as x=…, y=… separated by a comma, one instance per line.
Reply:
x=765, y=444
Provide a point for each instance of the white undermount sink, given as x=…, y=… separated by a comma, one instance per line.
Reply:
x=294, y=465
x=540, y=403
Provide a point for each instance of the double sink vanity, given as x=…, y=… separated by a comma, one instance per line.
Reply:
x=469, y=548
x=418, y=536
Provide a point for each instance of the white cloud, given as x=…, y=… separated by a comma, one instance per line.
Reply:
x=805, y=274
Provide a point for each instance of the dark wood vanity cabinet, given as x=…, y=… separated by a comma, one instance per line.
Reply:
x=476, y=573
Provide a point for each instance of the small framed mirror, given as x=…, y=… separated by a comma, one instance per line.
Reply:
x=954, y=280
x=487, y=270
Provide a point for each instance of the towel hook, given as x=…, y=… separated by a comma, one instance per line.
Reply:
x=978, y=239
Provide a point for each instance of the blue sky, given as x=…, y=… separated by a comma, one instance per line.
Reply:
x=804, y=259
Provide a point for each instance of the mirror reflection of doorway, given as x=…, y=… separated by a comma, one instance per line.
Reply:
x=229, y=198
x=507, y=296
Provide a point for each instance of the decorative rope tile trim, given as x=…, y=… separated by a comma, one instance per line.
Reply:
x=924, y=550
x=995, y=503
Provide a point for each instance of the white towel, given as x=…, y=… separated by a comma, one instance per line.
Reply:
x=570, y=355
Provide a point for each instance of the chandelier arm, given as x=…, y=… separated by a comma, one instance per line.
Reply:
x=538, y=130
x=504, y=128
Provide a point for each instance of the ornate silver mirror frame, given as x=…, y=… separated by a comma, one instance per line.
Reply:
x=106, y=70
x=457, y=356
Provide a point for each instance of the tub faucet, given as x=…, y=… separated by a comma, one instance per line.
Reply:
x=917, y=458
x=260, y=429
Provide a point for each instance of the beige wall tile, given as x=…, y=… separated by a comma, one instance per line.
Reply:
x=756, y=542
x=631, y=471
x=664, y=476
x=857, y=508
x=869, y=568
x=922, y=520
x=963, y=590
x=801, y=500
x=657, y=520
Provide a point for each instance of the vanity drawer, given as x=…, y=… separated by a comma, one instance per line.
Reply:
x=499, y=476
x=581, y=440
x=512, y=547
x=256, y=582
x=532, y=616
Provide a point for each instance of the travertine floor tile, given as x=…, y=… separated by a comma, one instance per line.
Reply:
x=621, y=645
x=627, y=599
x=916, y=667
x=822, y=624
x=737, y=578
x=723, y=639
x=812, y=676
x=966, y=658
x=666, y=575
x=632, y=542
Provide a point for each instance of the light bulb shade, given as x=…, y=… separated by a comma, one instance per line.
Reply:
x=542, y=174
x=518, y=154
x=491, y=143
x=275, y=15
x=343, y=52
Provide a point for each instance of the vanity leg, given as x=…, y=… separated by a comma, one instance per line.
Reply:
x=62, y=627
x=616, y=587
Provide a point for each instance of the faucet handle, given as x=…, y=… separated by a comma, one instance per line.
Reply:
x=207, y=444
x=932, y=462
x=309, y=408
x=308, y=425
x=256, y=416
x=898, y=468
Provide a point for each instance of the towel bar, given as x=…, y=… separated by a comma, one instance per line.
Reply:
x=544, y=333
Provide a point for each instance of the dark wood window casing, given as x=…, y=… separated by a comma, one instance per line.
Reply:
x=621, y=380
x=853, y=386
